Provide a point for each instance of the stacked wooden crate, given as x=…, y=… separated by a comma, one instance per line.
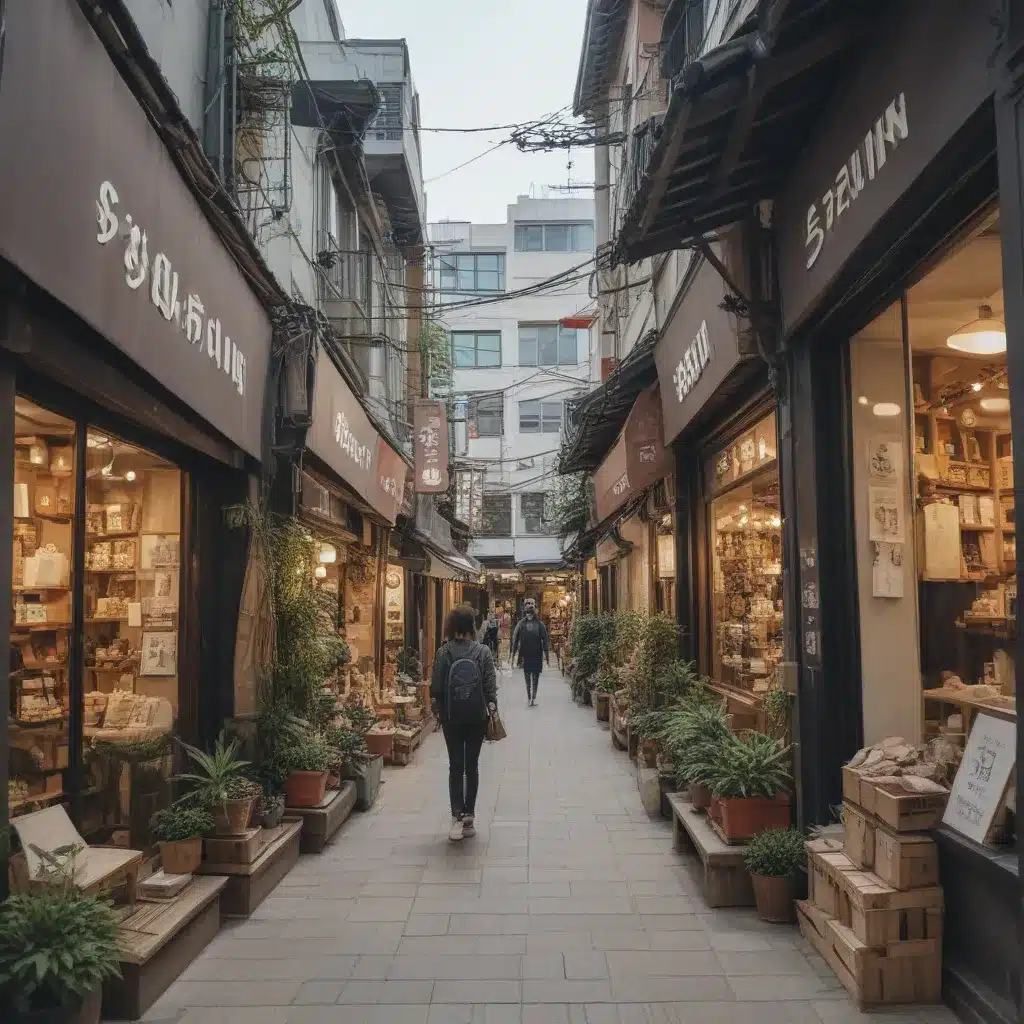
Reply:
x=875, y=907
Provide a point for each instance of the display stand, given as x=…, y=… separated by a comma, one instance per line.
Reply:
x=320, y=824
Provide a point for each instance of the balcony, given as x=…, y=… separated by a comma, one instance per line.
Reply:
x=682, y=36
x=391, y=144
x=344, y=287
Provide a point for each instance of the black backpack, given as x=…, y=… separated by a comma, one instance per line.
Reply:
x=465, y=693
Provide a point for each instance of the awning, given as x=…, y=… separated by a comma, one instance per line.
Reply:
x=345, y=108
x=599, y=417
x=434, y=533
x=737, y=120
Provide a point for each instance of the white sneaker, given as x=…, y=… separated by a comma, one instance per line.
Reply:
x=456, y=832
x=468, y=828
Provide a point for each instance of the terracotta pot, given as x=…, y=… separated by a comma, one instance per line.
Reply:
x=700, y=796
x=271, y=811
x=233, y=816
x=79, y=1011
x=602, y=706
x=380, y=743
x=649, y=753
x=746, y=817
x=774, y=896
x=305, y=789
x=334, y=780
x=183, y=856
x=715, y=809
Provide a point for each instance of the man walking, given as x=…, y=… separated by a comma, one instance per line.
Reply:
x=530, y=641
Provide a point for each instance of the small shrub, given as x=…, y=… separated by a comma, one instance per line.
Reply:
x=312, y=755
x=752, y=765
x=777, y=852
x=181, y=822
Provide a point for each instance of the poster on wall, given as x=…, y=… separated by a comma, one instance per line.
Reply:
x=982, y=778
x=159, y=654
x=887, y=569
x=886, y=515
x=885, y=459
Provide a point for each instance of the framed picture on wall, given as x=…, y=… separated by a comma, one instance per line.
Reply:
x=159, y=654
x=161, y=550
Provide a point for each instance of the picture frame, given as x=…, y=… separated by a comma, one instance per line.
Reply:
x=159, y=654
x=161, y=550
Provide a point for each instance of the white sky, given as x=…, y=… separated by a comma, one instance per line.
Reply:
x=478, y=63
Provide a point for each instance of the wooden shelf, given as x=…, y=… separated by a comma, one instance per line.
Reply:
x=114, y=572
x=18, y=589
x=94, y=621
x=966, y=528
x=39, y=627
x=112, y=536
x=50, y=517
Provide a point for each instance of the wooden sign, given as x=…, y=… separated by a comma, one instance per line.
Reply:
x=982, y=778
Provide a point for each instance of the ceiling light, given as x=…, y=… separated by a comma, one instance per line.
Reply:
x=863, y=400
x=885, y=409
x=976, y=386
x=328, y=554
x=130, y=476
x=995, y=404
x=985, y=336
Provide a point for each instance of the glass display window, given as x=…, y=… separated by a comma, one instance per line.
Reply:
x=44, y=502
x=745, y=525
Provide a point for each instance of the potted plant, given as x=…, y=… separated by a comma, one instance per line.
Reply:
x=605, y=686
x=749, y=781
x=773, y=858
x=693, y=736
x=57, y=947
x=179, y=831
x=219, y=783
x=308, y=763
x=362, y=767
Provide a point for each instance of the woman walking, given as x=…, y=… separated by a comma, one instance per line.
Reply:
x=463, y=691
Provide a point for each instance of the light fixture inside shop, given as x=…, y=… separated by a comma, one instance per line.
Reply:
x=863, y=400
x=320, y=572
x=130, y=476
x=985, y=336
x=885, y=409
x=976, y=386
x=995, y=404
x=328, y=554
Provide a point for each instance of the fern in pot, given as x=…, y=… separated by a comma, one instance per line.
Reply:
x=773, y=858
x=179, y=831
x=693, y=738
x=749, y=782
x=57, y=947
x=220, y=784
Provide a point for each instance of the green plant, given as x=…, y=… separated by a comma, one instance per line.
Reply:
x=776, y=710
x=751, y=765
x=57, y=945
x=649, y=725
x=409, y=664
x=312, y=755
x=777, y=852
x=351, y=747
x=242, y=788
x=181, y=822
x=217, y=773
x=360, y=718
x=622, y=642
x=569, y=502
x=606, y=683
x=137, y=751
x=586, y=643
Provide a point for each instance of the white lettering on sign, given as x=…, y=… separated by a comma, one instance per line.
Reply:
x=621, y=485
x=360, y=454
x=163, y=289
x=868, y=159
x=691, y=365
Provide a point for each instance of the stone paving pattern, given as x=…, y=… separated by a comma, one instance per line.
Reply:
x=568, y=907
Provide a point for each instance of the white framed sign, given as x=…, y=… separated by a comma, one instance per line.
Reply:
x=982, y=778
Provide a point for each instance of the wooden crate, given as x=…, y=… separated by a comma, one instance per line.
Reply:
x=878, y=913
x=825, y=860
x=906, y=860
x=859, y=840
x=851, y=785
x=240, y=849
x=900, y=810
x=904, y=972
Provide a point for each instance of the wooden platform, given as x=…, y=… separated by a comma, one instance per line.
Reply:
x=248, y=885
x=320, y=824
x=726, y=882
x=406, y=746
x=161, y=939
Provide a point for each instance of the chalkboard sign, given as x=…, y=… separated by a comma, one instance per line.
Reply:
x=982, y=778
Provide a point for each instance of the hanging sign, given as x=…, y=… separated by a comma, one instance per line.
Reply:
x=430, y=442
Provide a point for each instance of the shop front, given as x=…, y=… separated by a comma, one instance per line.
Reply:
x=719, y=416
x=903, y=309
x=133, y=360
x=358, y=486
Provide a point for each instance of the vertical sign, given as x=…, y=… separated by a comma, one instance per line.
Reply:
x=476, y=501
x=430, y=439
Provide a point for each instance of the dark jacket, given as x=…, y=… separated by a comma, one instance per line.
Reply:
x=531, y=640
x=446, y=657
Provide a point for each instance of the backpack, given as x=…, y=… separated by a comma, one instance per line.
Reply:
x=464, y=697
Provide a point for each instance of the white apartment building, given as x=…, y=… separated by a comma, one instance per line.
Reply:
x=516, y=361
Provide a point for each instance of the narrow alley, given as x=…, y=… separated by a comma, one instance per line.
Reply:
x=568, y=907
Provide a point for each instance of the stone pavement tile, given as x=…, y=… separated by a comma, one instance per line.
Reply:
x=842, y=1012
x=783, y=987
x=358, y=1014
x=230, y=993
x=488, y=924
x=386, y=992
x=233, y=1015
x=449, y=945
x=372, y=967
x=426, y=924
x=389, y=889
x=381, y=908
x=445, y=890
x=618, y=905
x=450, y=1013
x=671, y=922
x=278, y=969
x=624, y=939
x=517, y=875
x=536, y=966
x=636, y=989
x=456, y=968
x=582, y=889
x=585, y=965
x=558, y=942
x=691, y=940
x=553, y=990
x=668, y=964
x=773, y=961
x=582, y=922
x=545, y=1013
x=318, y=992
x=739, y=942
x=478, y=992
x=497, y=1013
x=658, y=905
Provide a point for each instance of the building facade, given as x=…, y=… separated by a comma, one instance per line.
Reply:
x=521, y=350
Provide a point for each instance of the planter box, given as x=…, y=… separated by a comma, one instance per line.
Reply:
x=368, y=784
x=380, y=743
x=745, y=817
x=667, y=786
x=647, y=781
x=320, y=824
x=225, y=850
x=602, y=706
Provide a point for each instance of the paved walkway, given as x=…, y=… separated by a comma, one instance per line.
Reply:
x=569, y=907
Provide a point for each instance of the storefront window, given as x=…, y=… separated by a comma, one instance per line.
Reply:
x=933, y=484
x=746, y=560
x=44, y=502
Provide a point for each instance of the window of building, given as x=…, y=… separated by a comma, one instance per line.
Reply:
x=935, y=511
x=540, y=417
x=129, y=600
x=533, y=514
x=548, y=345
x=497, y=516
x=476, y=348
x=471, y=272
x=486, y=416
x=564, y=237
x=745, y=524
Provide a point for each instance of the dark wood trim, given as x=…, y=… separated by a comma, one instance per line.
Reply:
x=7, y=392
x=75, y=775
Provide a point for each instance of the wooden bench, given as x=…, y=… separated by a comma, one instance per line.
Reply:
x=320, y=824
x=726, y=882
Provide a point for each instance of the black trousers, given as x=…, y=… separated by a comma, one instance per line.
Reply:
x=532, y=672
x=464, y=741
